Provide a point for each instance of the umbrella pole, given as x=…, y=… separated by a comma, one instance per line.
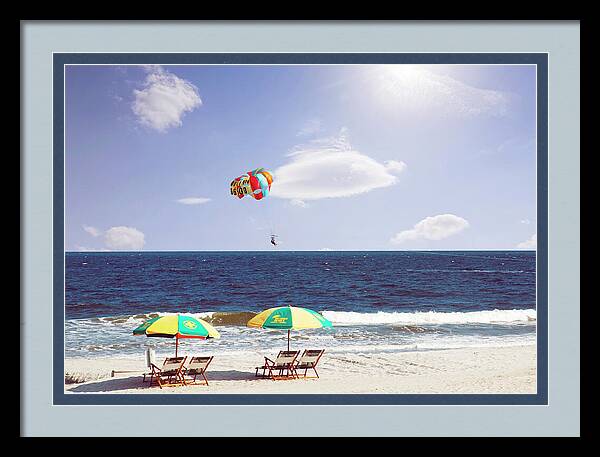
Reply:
x=176, y=344
x=288, y=340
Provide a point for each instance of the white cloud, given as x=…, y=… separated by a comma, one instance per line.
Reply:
x=418, y=88
x=193, y=200
x=164, y=99
x=330, y=168
x=311, y=127
x=433, y=228
x=124, y=238
x=299, y=203
x=525, y=221
x=92, y=230
x=394, y=166
x=531, y=243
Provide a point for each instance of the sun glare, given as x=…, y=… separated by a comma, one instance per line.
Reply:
x=405, y=83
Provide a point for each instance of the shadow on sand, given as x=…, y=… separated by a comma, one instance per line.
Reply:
x=135, y=382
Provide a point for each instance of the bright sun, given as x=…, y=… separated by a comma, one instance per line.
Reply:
x=405, y=82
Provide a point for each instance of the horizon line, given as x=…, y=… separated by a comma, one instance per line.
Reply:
x=304, y=250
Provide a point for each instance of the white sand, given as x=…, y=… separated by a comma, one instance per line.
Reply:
x=467, y=370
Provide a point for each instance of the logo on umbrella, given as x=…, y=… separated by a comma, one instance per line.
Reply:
x=278, y=319
x=190, y=324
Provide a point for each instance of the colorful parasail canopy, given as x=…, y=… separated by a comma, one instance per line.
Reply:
x=289, y=318
x=256, y=183
x=177, y=326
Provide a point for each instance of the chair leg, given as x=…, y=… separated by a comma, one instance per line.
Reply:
x=155, y=377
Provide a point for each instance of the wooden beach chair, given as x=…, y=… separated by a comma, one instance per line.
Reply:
x=308, y=361
x=171, y=373
x=280, y=368
x=197, y=367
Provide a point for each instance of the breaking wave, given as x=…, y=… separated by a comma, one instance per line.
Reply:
x=495, y=316
x=407, y=319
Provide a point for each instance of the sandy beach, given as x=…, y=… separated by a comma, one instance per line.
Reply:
x=503, y=370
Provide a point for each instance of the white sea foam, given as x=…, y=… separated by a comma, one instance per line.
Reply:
x=495, y=316
x=111, y=336
x=139, y=318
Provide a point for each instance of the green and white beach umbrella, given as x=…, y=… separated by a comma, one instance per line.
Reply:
x=177, y=326
x=288, y=318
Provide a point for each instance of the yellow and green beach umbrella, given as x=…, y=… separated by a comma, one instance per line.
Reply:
x=177, y=326
x=288, y=318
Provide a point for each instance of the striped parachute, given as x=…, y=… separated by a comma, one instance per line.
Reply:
x=256, y=183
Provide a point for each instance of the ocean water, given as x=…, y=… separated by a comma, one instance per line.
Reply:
x=377, y=301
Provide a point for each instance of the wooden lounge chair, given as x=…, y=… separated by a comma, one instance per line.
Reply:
x=197, y=366
x=308, y=360
x=280, y=368
x=171, y=373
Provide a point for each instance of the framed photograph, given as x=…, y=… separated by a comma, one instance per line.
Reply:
x=341, y=229
x=335, y=257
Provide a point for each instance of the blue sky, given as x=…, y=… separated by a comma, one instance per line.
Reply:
x=379, y=157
